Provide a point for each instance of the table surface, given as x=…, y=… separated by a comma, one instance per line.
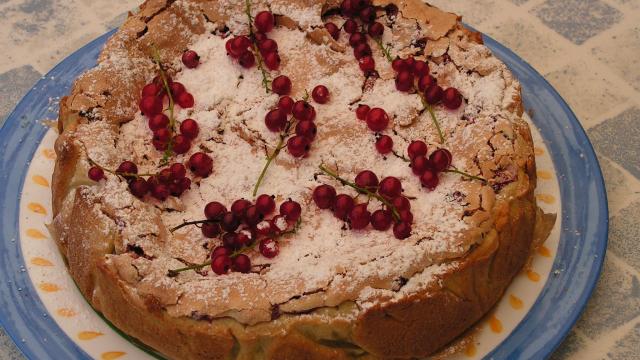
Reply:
x=587, y=49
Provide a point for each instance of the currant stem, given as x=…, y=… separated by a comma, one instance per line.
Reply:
x=385, y=51
x=265, y=75
x=118, y=173
x=274, y=154
x=429, y=108
x=175, y=272
x=456, y=171
x=400, y=156
x=195, y=222
x=394, y=212
x=172, y=119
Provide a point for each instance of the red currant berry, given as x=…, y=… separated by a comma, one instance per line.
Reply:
x=260, y=37
x=350, y=26
x=404, y=81
x=390, y=187
x=359, y=217
x=367, y=64
x=357, y=38
x=406, y=216
x=368, y=14
x=281, y=85
x=190, y=59
x=433, y=94
x=286, y=104
x=362, y=111
x=416, y=148
x=127, y=168
x=214, y=210
x=176, y=88
x=230, y=221
x=401, y=230
x=264, y=228
x=96, y=173
x=452, y=98
x=264, y=21
x=302, y=110
x=298, y=146
x=247, y=60
x=376, y=30
x=162, y=135
x=242, y=264
x=151, y=105
x=180, y=186
x=347, y=8
x=160, y=82
x=426, y=81
x=291, y=211
x=420, y=68
x=420, y=164
x=333, y=30
x=253, y=216
x=320, y=94
x=229, y=240
x=239, y=207
x=139, y=187
x=185, y=100
x=189, y=128
x=377, y=119
x=221, y=264
x=324, y=196
x=267, y=45
x=269, y=248
x=429, y=179
x=362, y=50
x=272, y=60
x=381, y=220
x=440, y=159
x=160, y=191
x=398, y=65
x=279, y=223
x=275, y=120
x=384, y=144
x=219, y=251
x=158, y=121
x=307, y=129
x=201, y=164
x=409, y=63
x=401, y=203
x=265, y=204
x=343, y=205
x=151, y=90
x=367, y=179
x=164, y=176
x=181, y=144
x=238, y=46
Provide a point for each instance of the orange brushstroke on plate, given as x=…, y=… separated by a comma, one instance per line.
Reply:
x=538, y=151
x=88, y=335
x=495, y=324
x=48, y=287
x=40, y=180
x=111, y=355
x=533, y=276
x=515, y=302
x=36, y=234
x=471, y=350
x=544, y=174
x=544, y=251
x=37, y=208
x=66, y=312
x=38, y=261
x=546, y=198
x=49, y=154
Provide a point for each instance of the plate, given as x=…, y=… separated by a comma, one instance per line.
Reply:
x=42, y=311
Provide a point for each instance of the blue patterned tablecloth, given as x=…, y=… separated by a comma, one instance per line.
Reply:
x=587, y=49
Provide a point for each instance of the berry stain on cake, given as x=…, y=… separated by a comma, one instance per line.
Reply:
x=294, y=176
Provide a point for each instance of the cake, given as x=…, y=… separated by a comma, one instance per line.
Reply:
x=294, y=179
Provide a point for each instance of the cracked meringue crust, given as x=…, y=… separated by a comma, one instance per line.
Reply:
x=118, y=249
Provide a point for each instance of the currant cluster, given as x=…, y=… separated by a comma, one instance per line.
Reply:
x=414, y=74
x=243, y=227
x=240, y=47
x=360, y=24
x=395, y=210
x=152, y=106
x=172, y=180
x=428, y=168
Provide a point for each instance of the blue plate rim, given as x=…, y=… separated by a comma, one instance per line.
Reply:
x=49, y=339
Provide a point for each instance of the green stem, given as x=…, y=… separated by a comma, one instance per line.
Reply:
x=429, y=108
x=456, y=171
x=394, y=212
x=175, y=272
x=118, y=173
x=195, y=222
x=172, y=120
x=400, y=156
x=274, y=154
x=265, y=75
x=385, y=51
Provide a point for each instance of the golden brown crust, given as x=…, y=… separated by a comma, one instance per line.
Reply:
x=415, y=326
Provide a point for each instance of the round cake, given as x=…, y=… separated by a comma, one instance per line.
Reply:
x=294, y=179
